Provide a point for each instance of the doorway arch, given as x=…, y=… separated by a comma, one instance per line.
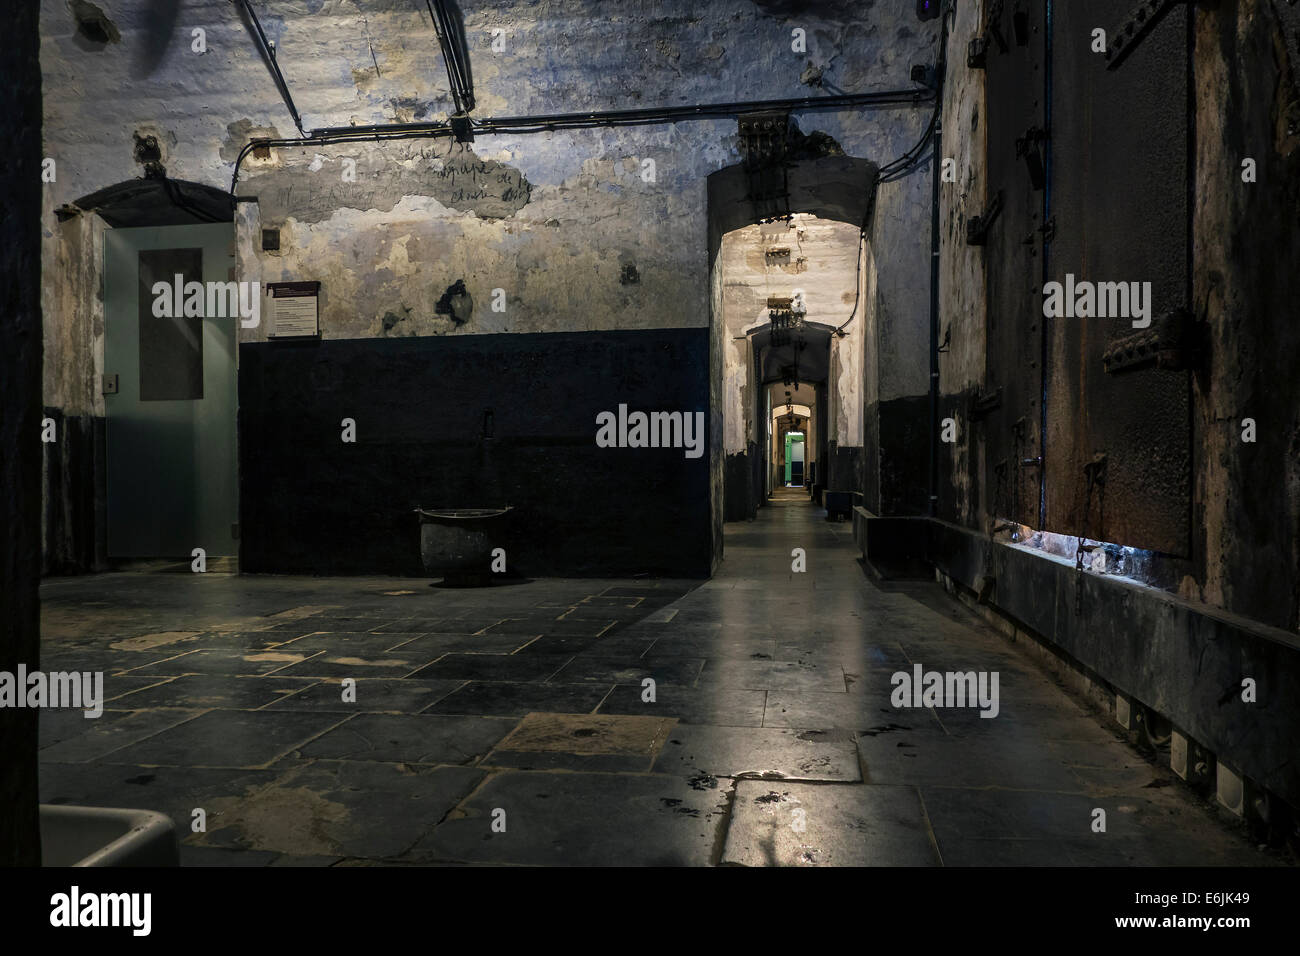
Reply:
x=839, y=189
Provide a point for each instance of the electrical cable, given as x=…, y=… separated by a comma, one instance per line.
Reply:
x=522, y=125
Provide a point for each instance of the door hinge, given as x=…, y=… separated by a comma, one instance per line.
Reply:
x=977, y=227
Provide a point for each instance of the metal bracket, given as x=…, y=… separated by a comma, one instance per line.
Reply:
x=982, y=405
x=461, y=128
x=1122, y=41
x=1094, y=473
x=1171, y=343
x=977, y=227
x=1029, y=148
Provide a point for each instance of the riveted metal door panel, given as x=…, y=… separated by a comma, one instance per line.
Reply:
x=1010, y=411
x=1119, y=198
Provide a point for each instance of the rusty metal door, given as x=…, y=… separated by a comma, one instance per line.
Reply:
x=1009, y=409
x=1118, y=444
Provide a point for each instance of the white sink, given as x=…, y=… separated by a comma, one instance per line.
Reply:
x=106, y=836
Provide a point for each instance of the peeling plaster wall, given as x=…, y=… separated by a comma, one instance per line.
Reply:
x=899, y=309
x=569, y=226
x=1245, y=249
x=962, y=296
x=587, y=209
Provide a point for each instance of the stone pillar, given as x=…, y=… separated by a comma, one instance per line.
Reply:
x=20, y=422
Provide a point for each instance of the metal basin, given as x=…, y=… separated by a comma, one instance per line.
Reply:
x=106, y=836
x=458, y=542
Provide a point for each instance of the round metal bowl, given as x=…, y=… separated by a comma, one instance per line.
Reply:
x=459, y=542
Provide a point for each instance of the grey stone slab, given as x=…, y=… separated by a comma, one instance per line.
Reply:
x=117, y=686
x=248, y=641
x=357, y=665
x=109, y=662
x=411, y=738
x=433, y=646
x=225, y=856
x=346, y=642
x=214, y=690
x=506, y=699
x=825, y=711
x=713, y=647
x=104, y=738
x=228, y=738
x=681, y=671
x=175, y=791
x=800, y=824
x=619, y=645
x=538, y=624
x=368, y=695
x=918, y=753
x=340, y=808
x=225, y=661
x=964, y=814
x=581, y=819
x=578, y=763
x=58, y=726
x=747, y=751
x=558, y=644
x=785, y=676
x=691, y=705
x=515, y=667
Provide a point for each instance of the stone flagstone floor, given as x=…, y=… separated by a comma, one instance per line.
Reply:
x=512, y=725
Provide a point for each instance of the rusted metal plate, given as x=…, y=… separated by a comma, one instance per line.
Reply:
x=1119, y=200
x=1016, y=95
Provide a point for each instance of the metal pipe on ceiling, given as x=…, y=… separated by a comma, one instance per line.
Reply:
x=592, y=120
x=451, y=39
x=267, y=48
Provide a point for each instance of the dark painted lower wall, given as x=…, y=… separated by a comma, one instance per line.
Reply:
x=871, y=457
x=904, y=437
x=74, y=504
x=844, y=469
x=742, y=489
x=311, y=503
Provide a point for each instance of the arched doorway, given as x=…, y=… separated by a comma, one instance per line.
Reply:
x=148, y=468
x=786, y=281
